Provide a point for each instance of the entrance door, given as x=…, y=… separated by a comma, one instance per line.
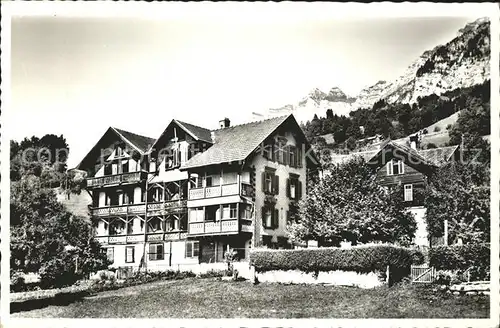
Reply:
x=208, y=252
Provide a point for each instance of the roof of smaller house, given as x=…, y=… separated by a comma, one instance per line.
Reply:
x=438, y=156
x=197, y=131
x=236, y=143
x=430, y=157
x=142, y=143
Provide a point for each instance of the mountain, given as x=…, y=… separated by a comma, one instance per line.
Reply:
x=461, y=63
x=316, y=103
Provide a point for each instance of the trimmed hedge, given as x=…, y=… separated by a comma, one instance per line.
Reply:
x=460, y=257
x=361, y=259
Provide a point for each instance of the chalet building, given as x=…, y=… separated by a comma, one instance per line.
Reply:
x=399, y=164
x=193, y=193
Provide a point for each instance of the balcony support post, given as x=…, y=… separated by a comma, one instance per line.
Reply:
x=238, y=216
x=238, y=181
x=220, y=217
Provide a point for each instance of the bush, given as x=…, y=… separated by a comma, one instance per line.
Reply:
x=459, y=258
x=448, y=127
x=437, y=129
x=17, y=283
x=215, y=273
x=361, y=259
x=58, y=272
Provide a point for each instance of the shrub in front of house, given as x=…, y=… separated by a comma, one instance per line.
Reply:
x=361, y=259
x=459, y=258
x=57, y=273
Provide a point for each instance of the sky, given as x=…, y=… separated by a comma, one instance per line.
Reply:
x=78, y=76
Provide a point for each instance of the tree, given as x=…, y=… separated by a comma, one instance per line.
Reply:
x=459, y=193
x=348, y=203
x=44, y=236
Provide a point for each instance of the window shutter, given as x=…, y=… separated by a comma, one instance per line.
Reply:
x=389, y=167
x=286, y=155
x=299, y=156
x=299, y=189
x=287, y=217
x=276, y=188
x=402, y=167
x=276, y=219
x=159, y=252
x=196, y=248
x=288, y=188
x=263, y=216
x=152, y=252
x=189, y=249
x=264, y=182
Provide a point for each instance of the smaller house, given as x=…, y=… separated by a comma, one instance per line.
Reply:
x=399, y=164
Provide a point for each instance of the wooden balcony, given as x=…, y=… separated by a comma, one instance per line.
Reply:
x=243, y=189
x=116, y=179
x=158, y=208
x=139, y=238
x=221, y=227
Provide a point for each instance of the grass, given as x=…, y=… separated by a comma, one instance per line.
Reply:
x=209, y=298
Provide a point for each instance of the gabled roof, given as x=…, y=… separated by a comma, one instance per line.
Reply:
x=434, y=157
x=197, y=132
x=236, y=143
x=136, y=141
x=438, y=156
x=141, y=143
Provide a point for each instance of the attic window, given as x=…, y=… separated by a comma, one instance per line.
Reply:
x=395, y=167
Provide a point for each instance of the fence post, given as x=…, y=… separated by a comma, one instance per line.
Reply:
x=387, y=273
x=253, y=275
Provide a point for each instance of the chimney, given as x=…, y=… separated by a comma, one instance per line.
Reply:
x=414, y=142
x=224, y=123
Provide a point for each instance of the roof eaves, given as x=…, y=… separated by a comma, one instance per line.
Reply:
x=128, y=141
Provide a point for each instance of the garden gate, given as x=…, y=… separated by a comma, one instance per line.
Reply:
x=422, y=273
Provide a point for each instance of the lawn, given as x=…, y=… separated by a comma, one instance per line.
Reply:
x=209, y=298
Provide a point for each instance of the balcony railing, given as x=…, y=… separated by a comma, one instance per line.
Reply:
x=157, y=208
x=130, y=177
x=139, y=238
x=210, y=227
x=243, y=189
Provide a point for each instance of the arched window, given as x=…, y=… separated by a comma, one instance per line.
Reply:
x=116, y=227
x=154, y=224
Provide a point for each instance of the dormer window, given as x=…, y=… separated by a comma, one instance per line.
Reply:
x=395, y=167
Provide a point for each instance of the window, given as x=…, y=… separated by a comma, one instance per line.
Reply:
x=129, y=254
x=172, y=224
x=299, y=156
x=208, y=181
x=192, y=249
x=395, y=167
x=173, y=158
x=130, y=227
x=154, y=224
x=294, y=187
x=270, y=182
x=156, y=252
x=128, y=197
x=125, y=166
x=229, y=211
x=118, y=151
x=268, y=150
x=270, y=217
x=107, y=169
x=281, y=153
x=196, y=215
x=110, y=254
x=408, y=193
x=292, y=153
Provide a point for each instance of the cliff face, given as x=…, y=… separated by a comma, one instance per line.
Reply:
x=462, y=62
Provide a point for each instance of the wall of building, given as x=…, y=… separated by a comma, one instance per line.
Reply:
x=282, y=201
